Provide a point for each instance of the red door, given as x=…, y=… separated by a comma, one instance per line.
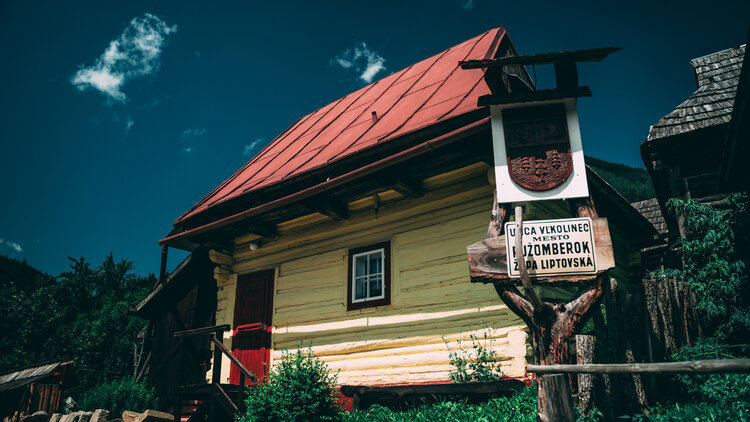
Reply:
x=251, y=342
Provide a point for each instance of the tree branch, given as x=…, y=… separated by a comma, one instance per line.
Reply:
x=516, y=302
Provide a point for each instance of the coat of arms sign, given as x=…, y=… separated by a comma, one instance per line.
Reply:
x=537, y=146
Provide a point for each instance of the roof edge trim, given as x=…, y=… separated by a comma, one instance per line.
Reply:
x=414, y=151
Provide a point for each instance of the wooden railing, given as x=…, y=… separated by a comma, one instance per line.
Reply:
x=217, y=333
x=559, y=406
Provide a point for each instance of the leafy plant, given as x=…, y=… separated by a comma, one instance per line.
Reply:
x=520, y=407
x=729, y=389
x=479, y=364
x=713, y=268
x=300, y=388
x=118, y=396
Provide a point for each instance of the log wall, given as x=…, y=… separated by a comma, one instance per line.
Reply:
x=432, y=298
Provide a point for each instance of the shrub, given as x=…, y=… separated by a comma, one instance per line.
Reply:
x=481, y=365
x=713, y=265
x=729, y=389
x=299, y=388
x=518, y=408
x=118, y=396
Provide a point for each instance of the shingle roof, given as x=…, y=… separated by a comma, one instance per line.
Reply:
x=29, y=375
x=421, y=95
x=651, y=210
x=711, y=104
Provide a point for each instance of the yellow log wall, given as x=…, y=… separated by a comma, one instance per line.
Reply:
x=432, y=299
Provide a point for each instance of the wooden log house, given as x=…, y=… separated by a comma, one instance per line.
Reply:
x=349, y=232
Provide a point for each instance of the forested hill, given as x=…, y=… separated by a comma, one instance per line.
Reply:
x=79, y=315
x=22, y=275
x=632, y=183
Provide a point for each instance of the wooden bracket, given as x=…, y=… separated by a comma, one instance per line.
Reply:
x=405, y=185
x=262, y=228
x=330, y=207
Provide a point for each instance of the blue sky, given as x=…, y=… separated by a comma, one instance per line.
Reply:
x=117, y=116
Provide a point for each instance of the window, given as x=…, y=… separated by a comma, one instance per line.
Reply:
x=369, y=276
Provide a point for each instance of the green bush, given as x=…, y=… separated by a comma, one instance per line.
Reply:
x=480, y=365
x=694, y=412
x=714, y=267
x=729, y=389
x=518, y=408
x=298, y=389
x=118, y=396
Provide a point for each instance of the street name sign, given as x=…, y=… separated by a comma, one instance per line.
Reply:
x=553, y=247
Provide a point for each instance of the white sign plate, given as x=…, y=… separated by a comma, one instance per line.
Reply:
x=508, y=191
x=553, y=247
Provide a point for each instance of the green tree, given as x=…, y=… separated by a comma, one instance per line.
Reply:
x=79, y=315
x=713, y=267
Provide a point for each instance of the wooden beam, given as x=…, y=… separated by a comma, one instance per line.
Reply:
x=220, y=258
x=717, y=366
x=262, y=228
x=405, y=185
x=589, y=55
x=330, y=207
x=539, y=95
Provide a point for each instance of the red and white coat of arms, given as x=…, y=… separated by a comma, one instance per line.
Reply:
x=537, y=146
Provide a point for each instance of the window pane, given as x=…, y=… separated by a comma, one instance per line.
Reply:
x=376, y=263
x=360, y=288
x=360, y=266
x=376, y=286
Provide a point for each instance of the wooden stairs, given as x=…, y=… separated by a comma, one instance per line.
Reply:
x=213, y=402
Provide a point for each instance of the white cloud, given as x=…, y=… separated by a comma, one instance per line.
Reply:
x=192, y=133
x=249, y=148
x=8, y=246
x=467, y=4
x=128, y=124
x=368, y=63
x=135, y=53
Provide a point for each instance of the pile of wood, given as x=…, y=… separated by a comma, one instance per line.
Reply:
x=101, y=415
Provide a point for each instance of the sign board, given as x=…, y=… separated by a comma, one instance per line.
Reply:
x=553, y=247
x=538, y=151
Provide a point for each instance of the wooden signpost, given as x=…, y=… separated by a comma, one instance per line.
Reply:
x=538, y=156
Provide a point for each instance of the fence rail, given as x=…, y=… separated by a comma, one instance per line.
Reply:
x=717, y=366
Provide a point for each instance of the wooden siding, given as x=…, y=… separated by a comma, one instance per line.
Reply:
x=432, y=299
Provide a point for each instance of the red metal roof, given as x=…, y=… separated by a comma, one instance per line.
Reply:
x=421, y=95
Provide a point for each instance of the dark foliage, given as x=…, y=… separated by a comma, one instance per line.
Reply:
x=631, y=182
x=518, y=408
x=713, y=267
x=119, y=395
x=78, y=315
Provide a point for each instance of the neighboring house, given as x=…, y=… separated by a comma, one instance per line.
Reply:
x=29, y=390
x=697, y=151
x=349, y=232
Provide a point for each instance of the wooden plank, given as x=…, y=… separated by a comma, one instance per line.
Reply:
x=488, y=260
x=718, y=366
x=203, y=331
x=220, y=258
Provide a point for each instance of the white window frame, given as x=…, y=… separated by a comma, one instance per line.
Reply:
x=368, y=276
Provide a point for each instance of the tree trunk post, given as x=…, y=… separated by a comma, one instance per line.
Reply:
x=551, y=325
x=555, y=404
x=585, y=354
